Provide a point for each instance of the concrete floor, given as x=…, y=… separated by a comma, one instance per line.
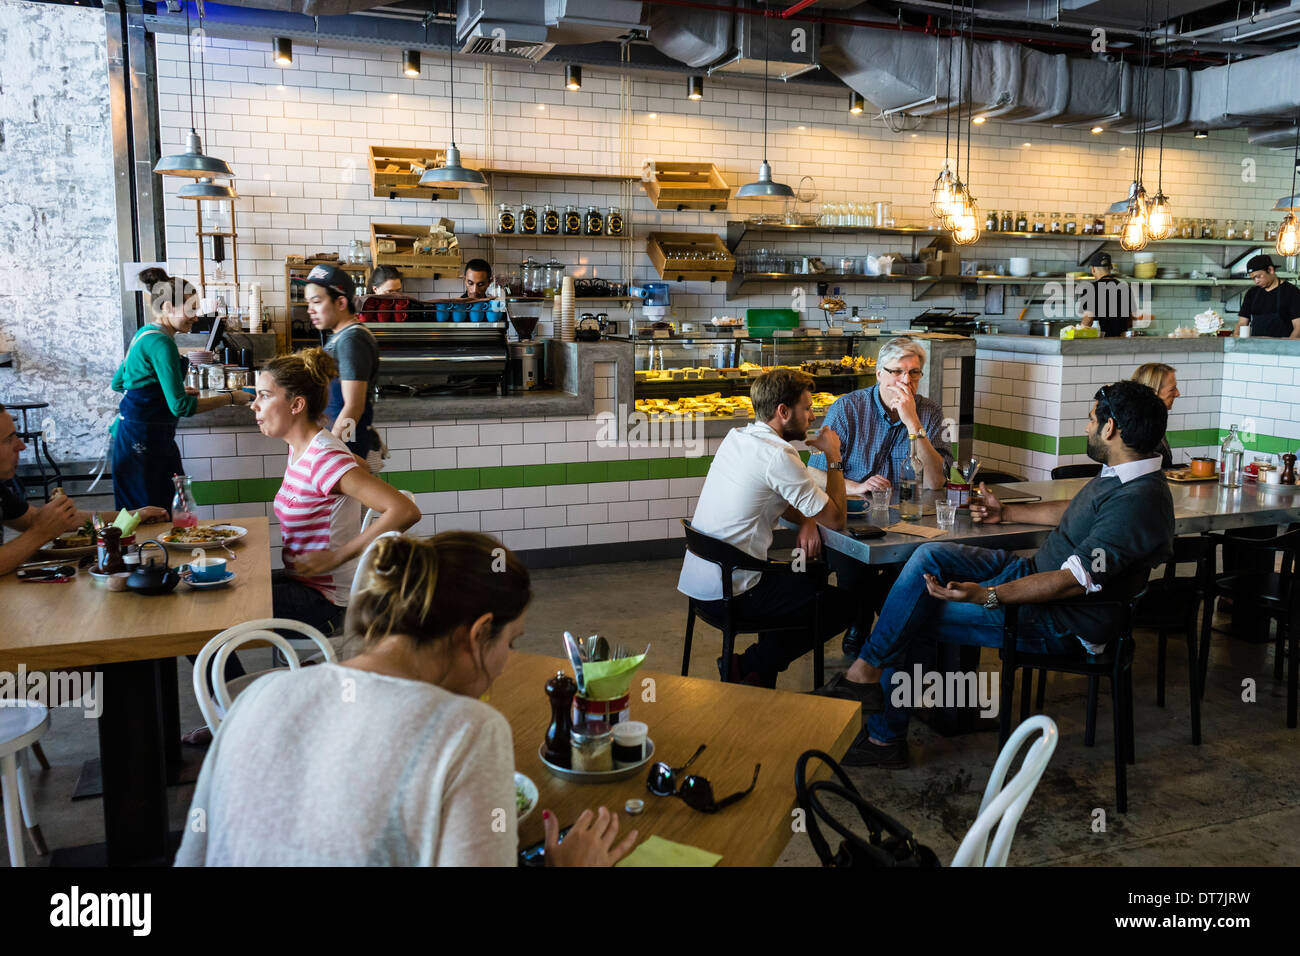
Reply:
x=1233, y=800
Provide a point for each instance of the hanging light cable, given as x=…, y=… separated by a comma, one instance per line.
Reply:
x=967, y=228
x=1133, y=235
x=941, y=193
x=204, y=187
x=453, y=175
x=1160, y=222
x=764, y=187
x=1288, y=232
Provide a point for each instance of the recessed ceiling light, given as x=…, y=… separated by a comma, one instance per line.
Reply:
x=980, y=120
x=1201, y=134
x=801, y=127
x=652, y=115
x=695, y=87
x=573, y=77
x=283, y=51
x=1096, y=130
x=856, y=103
x=411, y=63
x=541, y=106
x=913, y=136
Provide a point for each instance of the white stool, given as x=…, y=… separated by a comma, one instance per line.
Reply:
x=21, y=725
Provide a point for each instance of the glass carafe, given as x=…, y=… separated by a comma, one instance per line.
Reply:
x=554, y=278
x=531, y=274
x=183, y=515
x=1230, y=455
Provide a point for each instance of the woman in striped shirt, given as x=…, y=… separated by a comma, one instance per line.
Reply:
x=324, y=492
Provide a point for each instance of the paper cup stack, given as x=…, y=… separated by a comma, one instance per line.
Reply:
x=255, y=307
x=566, y=323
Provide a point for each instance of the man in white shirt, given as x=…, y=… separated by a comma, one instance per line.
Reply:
x=756, y=478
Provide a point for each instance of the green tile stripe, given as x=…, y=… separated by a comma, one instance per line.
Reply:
x=1015, y=438
x=473, y=479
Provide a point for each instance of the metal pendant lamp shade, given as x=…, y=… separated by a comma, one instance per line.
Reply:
x=763, y=187
x=192, y=162
x=205, y=188
x=454, y=175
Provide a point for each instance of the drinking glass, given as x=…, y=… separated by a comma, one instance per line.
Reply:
x=879, y=500
x=945, y=514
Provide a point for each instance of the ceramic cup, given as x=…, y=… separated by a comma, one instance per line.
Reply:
x=210, y=569
x=856, y=504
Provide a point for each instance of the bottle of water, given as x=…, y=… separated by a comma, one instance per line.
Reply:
x=909, y=483
x=1230, y=455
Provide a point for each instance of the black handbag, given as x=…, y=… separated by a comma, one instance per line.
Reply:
x=891, y=843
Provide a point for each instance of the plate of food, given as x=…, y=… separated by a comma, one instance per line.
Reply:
x=72, y=544
x=202, y=536
x=525, y=796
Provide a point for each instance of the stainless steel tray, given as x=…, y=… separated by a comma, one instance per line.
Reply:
x=597, y=776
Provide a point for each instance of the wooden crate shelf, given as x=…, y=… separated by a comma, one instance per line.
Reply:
x=670, y=254
x=404, y=184
x=406, y=258
x=680, y=186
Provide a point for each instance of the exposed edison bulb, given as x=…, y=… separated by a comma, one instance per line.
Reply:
x=1159, y=221
x=1288, y=236
x=943, y=194
x=1134, y=234
x=967, y=225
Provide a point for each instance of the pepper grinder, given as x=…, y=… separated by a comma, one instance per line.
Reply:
x=557, y=748
x=1288, y=469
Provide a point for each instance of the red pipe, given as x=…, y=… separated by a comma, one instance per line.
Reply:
x=902, y=27
x=796, y=7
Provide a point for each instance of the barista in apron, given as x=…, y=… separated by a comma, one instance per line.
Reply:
x=351, y=409
x=152, y=380
x=1272, y=307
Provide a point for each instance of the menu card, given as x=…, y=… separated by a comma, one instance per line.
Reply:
x=656, y=851
x=920, y=530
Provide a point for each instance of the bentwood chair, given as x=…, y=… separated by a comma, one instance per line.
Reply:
x=730, y=622
x=1115, y=665
x=371, y=514
x=215, y=653
x=1088, y=469
x=22, y=724
x=1003, y=805
x=1277, y=593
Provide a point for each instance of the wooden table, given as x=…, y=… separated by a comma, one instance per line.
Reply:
x=742, y=726
x=134, y=640
x=1202, y=506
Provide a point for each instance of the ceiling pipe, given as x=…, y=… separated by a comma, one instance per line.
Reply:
x=795, y=8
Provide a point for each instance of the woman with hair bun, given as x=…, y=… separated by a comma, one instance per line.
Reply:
x=389, y=758
x=152, y=380
x=320, y=502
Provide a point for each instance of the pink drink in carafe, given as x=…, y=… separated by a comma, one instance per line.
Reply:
x=183, y=515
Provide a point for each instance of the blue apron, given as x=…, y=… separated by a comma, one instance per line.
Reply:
x=145, y=455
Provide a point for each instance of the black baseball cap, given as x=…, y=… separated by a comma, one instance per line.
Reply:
x=334, y=279
x=1101, y=260
x=1259, y=263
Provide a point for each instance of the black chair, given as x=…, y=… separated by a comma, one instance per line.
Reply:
x=997, y=477
x=1277, y=593
x=1116, y=665
x=35, y=439
x=1170, y=605
x=1088, y=469
x=728, y=559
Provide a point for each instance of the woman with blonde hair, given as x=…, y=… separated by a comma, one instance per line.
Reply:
x=1163, y=380
x=321, y=500
x=389, y=758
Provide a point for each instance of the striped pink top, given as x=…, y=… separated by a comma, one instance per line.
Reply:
x=313, y=517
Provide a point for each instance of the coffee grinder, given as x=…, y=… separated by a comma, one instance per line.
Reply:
x=526, y=366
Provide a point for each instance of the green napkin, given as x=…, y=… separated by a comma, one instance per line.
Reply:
x=656, y=851
x=607, y=680
x=127, y=522
x=955, y=476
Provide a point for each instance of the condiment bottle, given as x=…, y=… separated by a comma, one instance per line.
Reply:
x=572, y=221
x=592, y=747
x=528, y=220
x=550, y=221
x=560, y=689
x=1288, y=469
x=505, y=218
x=108, y=545
x=594, y=223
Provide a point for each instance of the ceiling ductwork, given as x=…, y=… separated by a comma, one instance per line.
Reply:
x=529, y=29
x=724, y=41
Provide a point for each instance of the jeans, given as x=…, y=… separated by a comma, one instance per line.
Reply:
x=292, y=599
x=870, y=582
x=786, y=596
x=912, y=621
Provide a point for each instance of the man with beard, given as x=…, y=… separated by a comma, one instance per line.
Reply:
x=1107, y=539
x=756, y=478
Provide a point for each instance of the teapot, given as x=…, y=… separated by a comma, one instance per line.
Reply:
x=153, y=578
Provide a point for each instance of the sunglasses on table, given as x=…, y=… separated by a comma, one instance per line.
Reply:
x=663, y=781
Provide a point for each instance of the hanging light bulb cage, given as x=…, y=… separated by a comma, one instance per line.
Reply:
x=763, y=187
x=573, y=77
x=941, y=194
x=1288, y=236
x=1159, y=222
x=193, y=163
x=411, y=63
x=1133, y=234
x=283, y=51
x=695, y=87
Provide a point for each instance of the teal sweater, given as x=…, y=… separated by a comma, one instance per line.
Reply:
x=156, y=361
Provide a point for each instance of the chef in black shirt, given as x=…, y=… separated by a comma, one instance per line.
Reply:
x=1272, y=308
x=1106, y=299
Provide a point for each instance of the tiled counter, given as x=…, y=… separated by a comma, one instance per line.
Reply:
x=549, y=473
x=1032, y=395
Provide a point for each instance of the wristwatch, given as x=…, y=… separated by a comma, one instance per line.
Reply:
x=991, y=603
x=835, y=465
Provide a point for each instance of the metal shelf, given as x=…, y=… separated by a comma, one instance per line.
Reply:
x=550, y=174
x=538, y=235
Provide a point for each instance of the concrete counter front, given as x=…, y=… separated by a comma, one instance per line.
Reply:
x=567, y=477
x=1032, y=395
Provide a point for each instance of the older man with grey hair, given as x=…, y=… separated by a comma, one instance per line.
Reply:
x=874, y=425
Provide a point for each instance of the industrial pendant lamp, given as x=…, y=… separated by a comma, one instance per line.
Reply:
x=966, y=223
x=411, y=63
x=573, y=77
x=192, y=163
x=763, y=187
x=1160, y=220
x=453, y=175
x=205, y=188
x=283, y=51
x=695, y=87
x=856, y=102
x=1288, y=232
x=946, y=194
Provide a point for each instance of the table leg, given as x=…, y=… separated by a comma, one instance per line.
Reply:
x=131, y=748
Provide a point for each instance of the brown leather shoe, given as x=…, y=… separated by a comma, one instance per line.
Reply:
x=198, y=737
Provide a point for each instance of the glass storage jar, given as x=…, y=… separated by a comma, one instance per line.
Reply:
x=527, y=220
x=593, y=224
x=550, y=220
x=505, y=219
x=572, y=221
